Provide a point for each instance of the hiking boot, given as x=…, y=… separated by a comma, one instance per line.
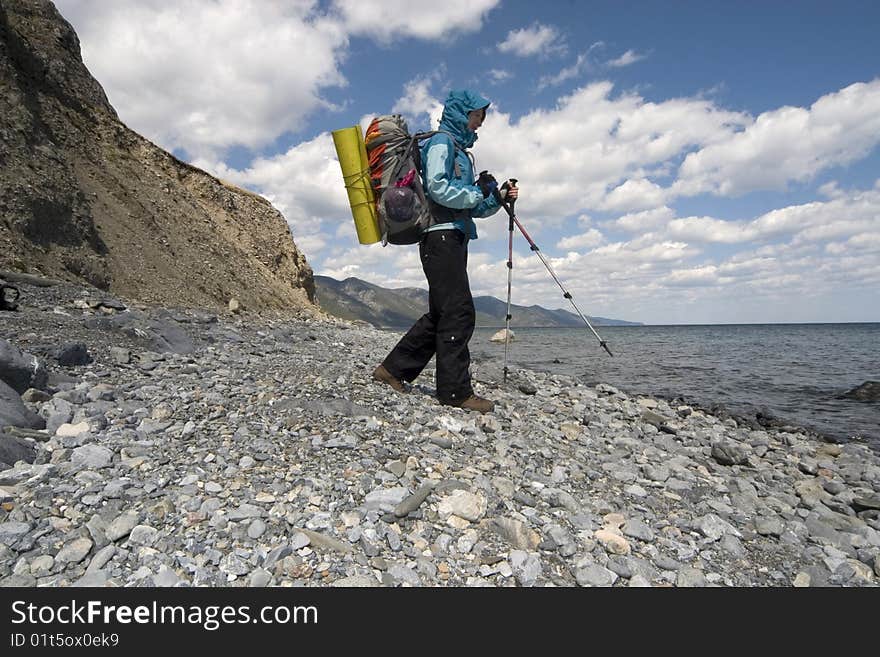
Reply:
x=473, y=403
x=384, y=376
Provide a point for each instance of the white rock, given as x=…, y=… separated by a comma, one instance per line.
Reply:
x=143, y=535
x=461, y=503
x=72, y=430
x=502, y=336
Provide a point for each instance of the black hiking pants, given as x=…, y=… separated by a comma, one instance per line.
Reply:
x=449, y=324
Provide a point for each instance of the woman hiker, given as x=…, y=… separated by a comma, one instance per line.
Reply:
x=455, y=198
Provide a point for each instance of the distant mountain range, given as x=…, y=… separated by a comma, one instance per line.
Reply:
x=355, y=299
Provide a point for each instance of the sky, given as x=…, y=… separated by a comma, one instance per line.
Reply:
x=678, y=162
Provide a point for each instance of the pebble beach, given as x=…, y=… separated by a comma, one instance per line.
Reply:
x=174, y=447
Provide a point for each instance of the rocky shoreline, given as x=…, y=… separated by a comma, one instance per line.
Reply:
x=183, y=448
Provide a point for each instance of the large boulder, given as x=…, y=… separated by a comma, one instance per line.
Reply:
x=14, y=413
x=161, y=336
x=868, y=391
x=20, y=370
x=13, y=450
x=501, y=336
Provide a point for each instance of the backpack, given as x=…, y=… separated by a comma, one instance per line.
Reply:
x=403, y=210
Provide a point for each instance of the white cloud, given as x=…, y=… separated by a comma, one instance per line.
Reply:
x=204, y=76
x=498, y=75
x=846, y=215
x=207, y=76
x=707, y=229
x=581, y=65
x=569, y=155
x=787, y=144
x=634, y=194
x=536, y=39
x=695, y=276
x=627, y=58
x=645, y=220
x=585, y=240
x=417, y=101
x=566, y=74
x=384, y=20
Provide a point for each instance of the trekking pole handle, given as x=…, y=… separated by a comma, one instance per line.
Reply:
x=511, y=182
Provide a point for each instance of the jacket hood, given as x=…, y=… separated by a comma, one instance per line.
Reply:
x=455, y=115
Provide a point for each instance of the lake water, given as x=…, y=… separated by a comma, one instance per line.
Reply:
x=795, y=371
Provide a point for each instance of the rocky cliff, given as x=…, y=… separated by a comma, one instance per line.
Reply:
x=82, y=197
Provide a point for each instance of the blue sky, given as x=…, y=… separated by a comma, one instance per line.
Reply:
x=680, y=162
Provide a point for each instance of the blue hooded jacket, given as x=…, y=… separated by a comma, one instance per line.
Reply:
x=439, y=160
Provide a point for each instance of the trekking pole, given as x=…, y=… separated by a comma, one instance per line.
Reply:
x=509, y=281
x=534, y=247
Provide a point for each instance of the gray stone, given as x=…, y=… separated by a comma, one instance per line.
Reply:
x=346, y=441
x=121, y=526
x=256, y=529
x=92, y=457
x=244, y=511
x=166, y=577
x=413, y=502
x=729, y=452
x=356, y=581
x=143, y=535
x=13, y=413
x=564, y=540
x=443, y=442
x=653, y=418
x=11, y=531
x=299, y=540
x=635, y=528
x=102, y=557
x=639, y=581
x=712, y=526
x=322, y=542
x=620, y=566
x=769, y=526
x=656, y=473
x=42, y=565
x=801, y=580
x=34, y=396
x=93, y=579
x=866, y=502
x=385, y=499
x=259, y=578
x=72, y=354
x=732, y=545
x=689, y=577
x=405, y=575
x=75, y=551
x=666, y=563
x=526, y=567
x=517, y=533
x=120, y=355
x=868, y=391
x=20, y=370
x=14, y=449
x=594, y=575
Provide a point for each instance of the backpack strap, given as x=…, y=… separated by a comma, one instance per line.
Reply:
x=455, y=147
